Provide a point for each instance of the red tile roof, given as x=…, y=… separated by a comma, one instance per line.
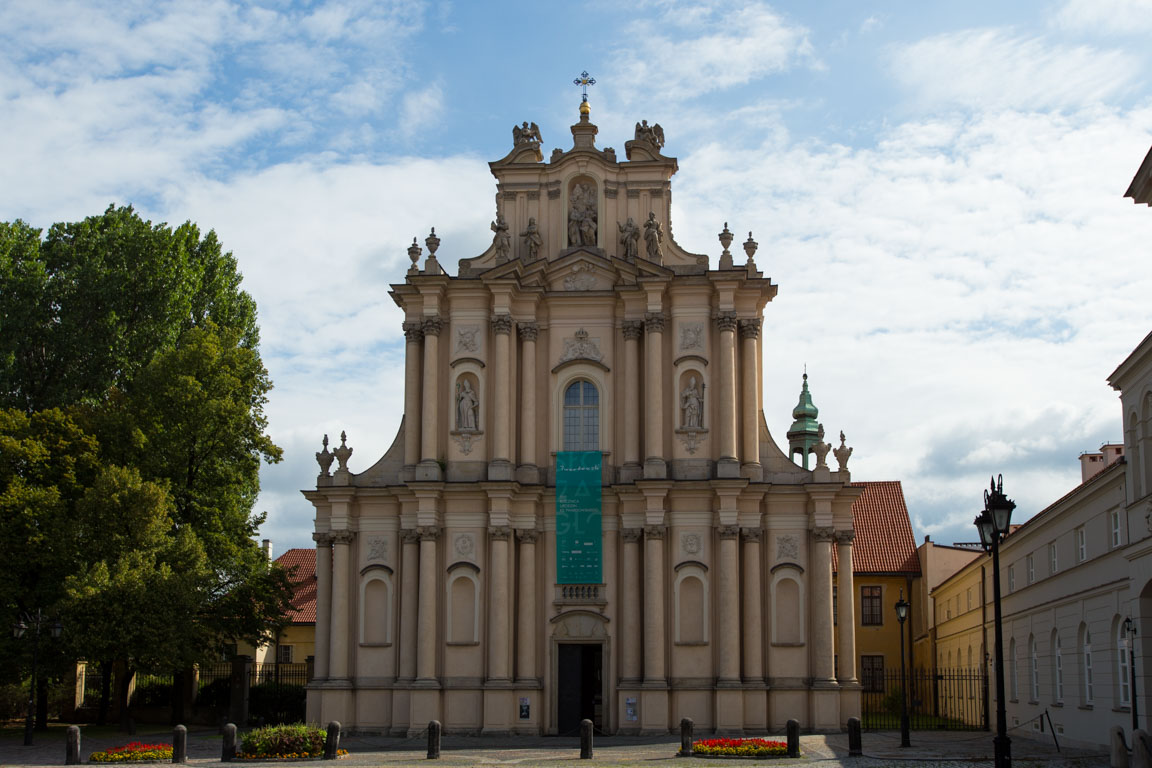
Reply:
x=884, y=542
x=303, y=583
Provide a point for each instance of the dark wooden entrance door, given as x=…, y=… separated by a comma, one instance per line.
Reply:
x=579, y=686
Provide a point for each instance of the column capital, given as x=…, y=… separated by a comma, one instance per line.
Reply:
x=823, y=533
x=410, y=536
x=632, y=329
x=527, y=535
x=750, y=328
x=728, y=531
x=413, y=332
x=528, y=331
x=654, y=322
x=500, y=533
x=845, y=537
x=432, y=325
x=751, y=534
x=342, y=537
x=502, y=324
x=322, y=539
x=428, y=532
x=655, y=531
x=631, y=535
x=726, y=321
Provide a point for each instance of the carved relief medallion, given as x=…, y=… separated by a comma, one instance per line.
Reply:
x=691, y=336
x=583, y=278
x=378, y=548
x=787, y=547
x=465, y=545
x=466, y=339
x=580, y=347
x=690, y=543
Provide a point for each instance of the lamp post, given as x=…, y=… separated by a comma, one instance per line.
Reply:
x=901, y=615
x=33, y=622
x=1130, y=633
x=992, y=523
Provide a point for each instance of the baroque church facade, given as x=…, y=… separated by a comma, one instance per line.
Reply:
x=583, y=513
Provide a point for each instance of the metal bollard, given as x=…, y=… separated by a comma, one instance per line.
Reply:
x=793, y=738
x=228, y=753
x=332, y=743
x=686, y=736
x=434, y=731
x=855, y=747
x=72, y=756
x=180, y=744
x=585, y=739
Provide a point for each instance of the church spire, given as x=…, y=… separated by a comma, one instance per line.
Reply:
x=803, y=435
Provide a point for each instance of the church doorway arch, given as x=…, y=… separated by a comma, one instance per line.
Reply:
x=580, y=672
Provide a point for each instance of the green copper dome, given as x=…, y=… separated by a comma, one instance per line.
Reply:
x=803, y=434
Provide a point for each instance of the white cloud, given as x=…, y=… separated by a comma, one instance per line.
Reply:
x=1114, y=17
x=421, y=109
x=688, y=49
x=992, y=69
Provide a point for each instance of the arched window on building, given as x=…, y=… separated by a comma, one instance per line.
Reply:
x=1034, y=662
x=1123, y=674
x=1087, y=693
x=581, y=417
x=1057, y=669
x=1014, y=680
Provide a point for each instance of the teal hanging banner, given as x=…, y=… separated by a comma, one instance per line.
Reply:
x=578, y=530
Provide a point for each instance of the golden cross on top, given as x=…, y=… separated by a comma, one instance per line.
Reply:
x=584, y=81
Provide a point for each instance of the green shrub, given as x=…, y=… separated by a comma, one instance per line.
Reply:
x=297, y=740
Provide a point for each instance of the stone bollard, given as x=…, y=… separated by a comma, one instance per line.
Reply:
x=180, y=744
x=1118, y=756
x=434, y=729
x=686, y=736
x=793, y=738
x=228, y=753
x=72, y=756
x=332, y=743
x=585, y=739
x=1141, y=749
x=855, y=748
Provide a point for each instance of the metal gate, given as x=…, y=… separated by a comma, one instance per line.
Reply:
x=940, y=699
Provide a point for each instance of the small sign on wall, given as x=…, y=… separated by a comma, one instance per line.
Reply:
x=630, y=710
x=525, y=708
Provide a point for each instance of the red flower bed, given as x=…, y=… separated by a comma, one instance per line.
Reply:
x=741, y=747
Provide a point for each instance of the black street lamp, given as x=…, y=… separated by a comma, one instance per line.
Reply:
x=18, y=630
x=901, y=615
x=1130, y=633
x=993, y=523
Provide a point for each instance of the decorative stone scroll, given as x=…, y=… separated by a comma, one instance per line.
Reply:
x=343, y=537
x=428, y=532
x=528, y=331
x=527, y=535
x=502, y=324
x=322, y=539
x=413, y=332
x=654, y=531
x=728, y=531
x=580, y=347
x=410, y=536
x=500, y=533
x=726, y=321
x=823, y=533
x=432, y=325
x=845, y=537
x=750, y=328
x=751, y=534
x=633, y=329
x=654, y=322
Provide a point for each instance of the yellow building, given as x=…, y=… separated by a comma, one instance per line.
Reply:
x=296, y=641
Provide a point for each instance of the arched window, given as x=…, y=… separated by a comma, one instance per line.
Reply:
x=1086, y=660
x=1123, y=675
x=1012, y=664
x=1034, y=661
x=1057, y=669
x=581, y=417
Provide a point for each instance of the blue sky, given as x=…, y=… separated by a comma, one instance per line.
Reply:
x=936, y=188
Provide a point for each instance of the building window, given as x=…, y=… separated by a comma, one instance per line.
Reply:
x=969, y=607
x=1014, y=681
x=581, y=417
x=871, y=611
x=1089, y=695
x=1031, y=567
x=872, y=673
x=1115, y=527
x=1057, y=670
x=1052, y=564
x=1034, y=661
x=1081, y=546
x=284, y=654
x=1011, y=578
x=1123, y=675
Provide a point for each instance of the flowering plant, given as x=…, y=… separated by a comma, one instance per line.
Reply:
x=741, y=747
x=284, y=741
x=135, y=752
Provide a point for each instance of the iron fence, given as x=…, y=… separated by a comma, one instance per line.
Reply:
x=938, y=699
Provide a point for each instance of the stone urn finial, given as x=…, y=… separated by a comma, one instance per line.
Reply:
x=414, y=254
x=726, y=238
x=324, y=459
x=432, y=242
x=821, y=449
x=842, y=453
x=750, y=246
x=343, y=453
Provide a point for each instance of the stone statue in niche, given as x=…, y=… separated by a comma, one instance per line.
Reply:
x=523, y=134
x=466, y=405
x=502, y=240
x=692, y=404
x=582, y=215
x=653, y=237
x=653, y=134
x=532, y=239
x=630, y=239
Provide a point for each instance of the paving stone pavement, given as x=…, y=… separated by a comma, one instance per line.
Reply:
x=935, y=748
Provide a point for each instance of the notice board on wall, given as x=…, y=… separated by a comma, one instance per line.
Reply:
x=579, y=547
